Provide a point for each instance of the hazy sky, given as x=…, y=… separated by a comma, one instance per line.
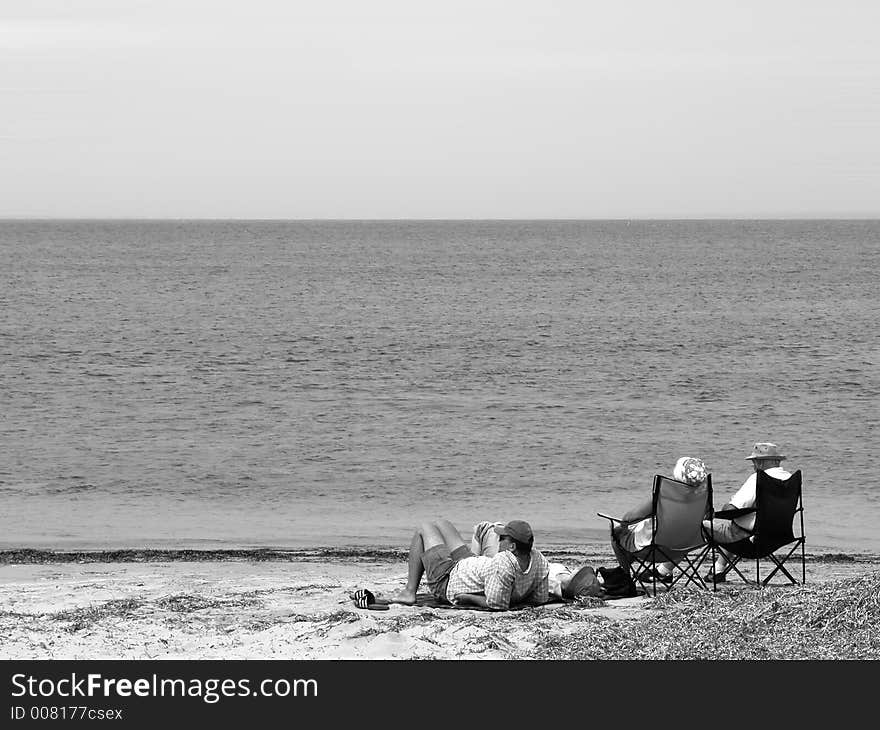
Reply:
x=410, y=109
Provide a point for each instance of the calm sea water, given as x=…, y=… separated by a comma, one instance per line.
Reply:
x=333, y=383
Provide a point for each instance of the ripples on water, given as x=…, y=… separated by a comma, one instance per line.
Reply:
x=326, y=383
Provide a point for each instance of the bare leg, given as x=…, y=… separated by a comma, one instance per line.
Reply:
x=414, y=572
x=427, y=536
x=721, y=561
x=623, y=558
x=451, y=536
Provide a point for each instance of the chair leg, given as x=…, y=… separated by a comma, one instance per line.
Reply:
x=733, y=560
x=688, y=568
x=692, y=572
x=778, y=562
x=714, y=563
x=634, y=572
x=803, y=562
x=701, y=558
x=779, y=567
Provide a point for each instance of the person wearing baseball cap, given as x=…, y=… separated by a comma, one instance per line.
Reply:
x=564, y=582
x=766, y=457
x=517, y=574
x=518, y=531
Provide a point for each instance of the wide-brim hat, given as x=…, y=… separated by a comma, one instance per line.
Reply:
x=765, y=450
x=582, y=583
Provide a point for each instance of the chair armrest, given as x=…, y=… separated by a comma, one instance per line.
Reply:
x=729, y=514
x=609, y=517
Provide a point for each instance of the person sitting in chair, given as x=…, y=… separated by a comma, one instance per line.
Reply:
x=635, y=531
x=764, y=457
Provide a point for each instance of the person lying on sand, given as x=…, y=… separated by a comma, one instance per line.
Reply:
x=562, y=582
x=517, y=574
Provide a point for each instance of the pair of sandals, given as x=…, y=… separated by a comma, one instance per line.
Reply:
x=364, y=598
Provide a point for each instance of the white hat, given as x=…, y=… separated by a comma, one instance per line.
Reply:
x=765, y=450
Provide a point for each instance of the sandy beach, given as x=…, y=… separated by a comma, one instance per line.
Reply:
x=297, y=606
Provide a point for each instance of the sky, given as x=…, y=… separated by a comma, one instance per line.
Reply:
x=460, y=109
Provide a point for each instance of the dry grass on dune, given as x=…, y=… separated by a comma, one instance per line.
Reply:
x=839, y=620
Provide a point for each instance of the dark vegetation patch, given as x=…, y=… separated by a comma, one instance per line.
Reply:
x=30, y=557
x=27, y=556
x=839, y=620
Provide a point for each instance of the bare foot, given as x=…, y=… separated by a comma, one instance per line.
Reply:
x=407, y=598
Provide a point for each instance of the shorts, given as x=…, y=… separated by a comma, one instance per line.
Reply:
x=625, y=538
x=439, y=562
x=725, y=531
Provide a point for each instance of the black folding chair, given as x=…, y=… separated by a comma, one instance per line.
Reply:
x=778, y=505
x=677, y=515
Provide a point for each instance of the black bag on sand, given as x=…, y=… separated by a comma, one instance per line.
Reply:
x=614, y=577
x=617, y=583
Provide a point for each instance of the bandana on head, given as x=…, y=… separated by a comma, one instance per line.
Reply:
x=690, y=470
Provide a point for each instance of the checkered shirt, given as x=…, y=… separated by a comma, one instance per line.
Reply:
x=468, y=575
x=501, y=579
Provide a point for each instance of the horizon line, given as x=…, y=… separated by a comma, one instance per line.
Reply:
x=440, y=220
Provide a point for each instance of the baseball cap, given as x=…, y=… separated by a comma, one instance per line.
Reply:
x=518, y=530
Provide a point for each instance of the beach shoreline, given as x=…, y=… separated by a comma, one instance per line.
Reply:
x=262, y=604
x=582, y=553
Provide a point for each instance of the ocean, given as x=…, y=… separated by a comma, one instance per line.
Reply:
x=333, y=383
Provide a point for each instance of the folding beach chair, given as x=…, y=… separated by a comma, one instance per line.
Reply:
x=677, y=515
x=778, y=505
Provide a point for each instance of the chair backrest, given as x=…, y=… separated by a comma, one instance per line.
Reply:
x=776, y=503
x=680, y=510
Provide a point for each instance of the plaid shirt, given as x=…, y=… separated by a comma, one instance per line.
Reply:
x=501, y=579
x=468, y=575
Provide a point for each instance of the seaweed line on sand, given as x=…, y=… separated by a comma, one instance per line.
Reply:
x=29, y=556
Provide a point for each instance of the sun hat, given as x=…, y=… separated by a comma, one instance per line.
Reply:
x=518, y=530
x=690, y=470
x=765, y=450
x=582, y=583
